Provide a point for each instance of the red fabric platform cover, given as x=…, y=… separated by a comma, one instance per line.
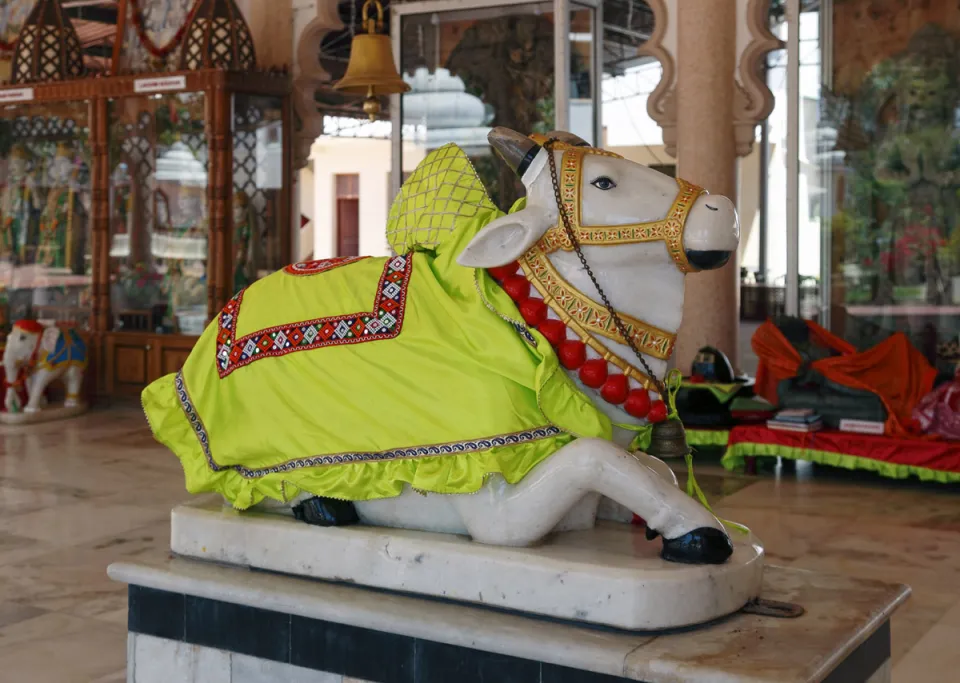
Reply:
x=893, y=369
x=927, y=453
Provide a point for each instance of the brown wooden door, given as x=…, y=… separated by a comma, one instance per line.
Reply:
x=127, y=363
x=135, y=360
x=348, y=227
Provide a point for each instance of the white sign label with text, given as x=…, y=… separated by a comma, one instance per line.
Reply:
x=17, y=95
x=160, y=84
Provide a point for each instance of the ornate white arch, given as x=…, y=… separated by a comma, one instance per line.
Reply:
x=753, y=101
x=309, y=77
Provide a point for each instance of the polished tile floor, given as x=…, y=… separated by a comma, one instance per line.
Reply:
x=78, y=495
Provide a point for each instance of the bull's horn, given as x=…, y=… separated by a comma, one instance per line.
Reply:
x=516, y=150
x=568, y=138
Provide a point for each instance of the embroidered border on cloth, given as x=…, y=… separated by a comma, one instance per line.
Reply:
x=384, y=321
x=453, y=448
x=572, y=306
x=320, y=265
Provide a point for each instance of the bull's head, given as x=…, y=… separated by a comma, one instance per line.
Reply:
x=640, y=230
x=612, y=193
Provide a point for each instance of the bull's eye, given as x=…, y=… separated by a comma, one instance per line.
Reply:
x=603, y=183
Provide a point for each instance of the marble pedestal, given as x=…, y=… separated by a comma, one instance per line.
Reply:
x=610, y=575
x=198, y=622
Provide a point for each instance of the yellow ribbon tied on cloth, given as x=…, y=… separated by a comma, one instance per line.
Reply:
x=641, y=442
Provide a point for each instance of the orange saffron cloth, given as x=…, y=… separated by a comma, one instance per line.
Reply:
x=893, y=370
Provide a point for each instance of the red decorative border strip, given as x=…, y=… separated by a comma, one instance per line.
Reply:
x=385, y=321
x=320, y=265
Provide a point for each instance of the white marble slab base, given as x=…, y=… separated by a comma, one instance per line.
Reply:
x=159, y=660
x=47, y=414
x=610, y=575
x=843, y=617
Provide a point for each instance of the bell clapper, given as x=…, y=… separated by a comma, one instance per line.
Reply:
x=371, y=105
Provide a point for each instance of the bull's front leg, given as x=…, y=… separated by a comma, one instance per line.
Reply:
x=524, y=513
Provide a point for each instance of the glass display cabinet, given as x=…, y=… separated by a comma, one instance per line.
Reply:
x=477, y=64
x=134, y=207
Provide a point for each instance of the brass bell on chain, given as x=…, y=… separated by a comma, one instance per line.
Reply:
x=371, y=70
x=668, y=440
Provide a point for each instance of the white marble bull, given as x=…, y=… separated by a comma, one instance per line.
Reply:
x=644, y=279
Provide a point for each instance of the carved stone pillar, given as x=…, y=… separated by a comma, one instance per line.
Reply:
x=709, y=101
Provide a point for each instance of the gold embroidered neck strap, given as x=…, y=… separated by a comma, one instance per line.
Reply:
x=668, y=230
x=586, y=317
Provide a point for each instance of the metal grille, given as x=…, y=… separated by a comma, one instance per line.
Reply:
x=248, y=156
x=218, y=38
x=425, y=212
x=41, y=134
x=48, y=48
x=44, y=128
x=138, y=150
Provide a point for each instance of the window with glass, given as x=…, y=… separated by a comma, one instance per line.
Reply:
x=257, y=185
x=45, y=196
x=879, y=210
x=471, y=70
x=159, y=229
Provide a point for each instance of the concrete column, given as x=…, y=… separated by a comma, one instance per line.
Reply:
x=706, y=155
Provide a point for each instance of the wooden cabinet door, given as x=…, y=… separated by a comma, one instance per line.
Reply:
x=127, y=363
x=135, y=360
x=172, y=352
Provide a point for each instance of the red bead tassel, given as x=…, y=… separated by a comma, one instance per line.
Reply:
x=572, y=353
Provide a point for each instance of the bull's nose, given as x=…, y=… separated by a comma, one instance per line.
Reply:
x=707, y=260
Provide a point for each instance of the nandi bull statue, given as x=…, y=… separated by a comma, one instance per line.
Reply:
x=35, y=356
x=481, y=359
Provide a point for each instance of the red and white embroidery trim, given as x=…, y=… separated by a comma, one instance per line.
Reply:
x=383, y=321
x=596, y=373
x=321, y=265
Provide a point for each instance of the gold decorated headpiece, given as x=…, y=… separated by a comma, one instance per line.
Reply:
x=18, y=152
x=668, y=230
x=64, y=149
x=240, y=197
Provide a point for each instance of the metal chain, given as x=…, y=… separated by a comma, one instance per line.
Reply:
x=565, y=219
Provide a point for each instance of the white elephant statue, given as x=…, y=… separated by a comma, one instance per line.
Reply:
x=477, y=382
x=38, y=354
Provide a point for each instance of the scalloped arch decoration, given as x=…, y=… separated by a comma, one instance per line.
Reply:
x=309, y=78
x=753, y=100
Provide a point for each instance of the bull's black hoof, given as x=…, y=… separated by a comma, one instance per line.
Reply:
x=705, y=545
x=326, y=512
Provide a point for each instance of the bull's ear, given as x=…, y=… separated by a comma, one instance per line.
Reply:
x=506, y=239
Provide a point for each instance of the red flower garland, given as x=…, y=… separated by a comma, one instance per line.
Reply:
x=159, y=51
x=594, y=373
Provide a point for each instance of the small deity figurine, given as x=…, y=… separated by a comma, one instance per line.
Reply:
x=246, y=242
x=17, y=201
x=59, y=222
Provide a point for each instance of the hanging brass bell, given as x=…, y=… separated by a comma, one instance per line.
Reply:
x=668, y=440
x=371, y=70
